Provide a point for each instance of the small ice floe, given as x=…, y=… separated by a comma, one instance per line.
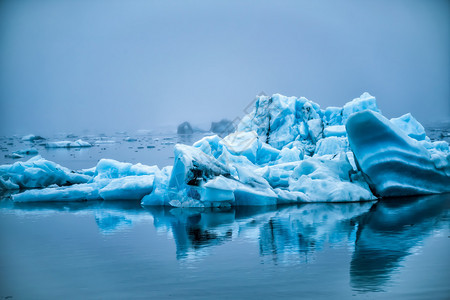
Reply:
x=68, y=144
x=14, y=156
x=32, y=138
x=130, y=139
x=104, y=142
x=30, y=151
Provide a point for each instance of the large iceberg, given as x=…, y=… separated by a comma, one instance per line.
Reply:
x=286, y=150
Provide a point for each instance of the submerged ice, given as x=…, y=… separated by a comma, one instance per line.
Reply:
x=287, y=150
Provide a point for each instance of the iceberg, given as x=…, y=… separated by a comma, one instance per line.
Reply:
x=286, y=150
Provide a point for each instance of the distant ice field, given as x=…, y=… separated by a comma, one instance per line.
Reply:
x=149, y=149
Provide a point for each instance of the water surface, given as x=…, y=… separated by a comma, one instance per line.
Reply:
x=396, y=249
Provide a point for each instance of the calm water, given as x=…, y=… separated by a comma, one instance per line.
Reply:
x=396, y=249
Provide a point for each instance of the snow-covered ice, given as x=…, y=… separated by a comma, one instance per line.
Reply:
x=286, y=150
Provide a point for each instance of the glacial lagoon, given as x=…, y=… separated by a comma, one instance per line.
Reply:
x=389, y=249
x=393, y=249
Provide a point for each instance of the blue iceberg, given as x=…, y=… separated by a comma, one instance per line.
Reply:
x=396, y=158
x=286, y=150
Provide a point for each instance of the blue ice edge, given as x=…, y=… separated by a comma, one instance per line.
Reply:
x=287, y=150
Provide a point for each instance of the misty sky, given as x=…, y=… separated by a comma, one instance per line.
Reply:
x=111, y=65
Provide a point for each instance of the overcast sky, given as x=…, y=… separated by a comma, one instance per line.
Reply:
x=111, y=65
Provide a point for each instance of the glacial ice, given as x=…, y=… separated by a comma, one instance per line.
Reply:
x=109, y=180
x=286, y=150
x=37, y=173
x=393, y=162
x=128, y=188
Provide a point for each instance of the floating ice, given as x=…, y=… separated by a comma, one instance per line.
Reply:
x=287, y=150
x=32, y=138
x=68, y=144
x=30, y=151
x=37, y=173
x=14, y=156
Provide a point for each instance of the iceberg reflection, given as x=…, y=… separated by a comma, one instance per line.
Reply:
x=390, y=232
x=378, y=236
x=110, y=216
x=285, y=234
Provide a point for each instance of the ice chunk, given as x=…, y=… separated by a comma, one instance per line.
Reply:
x=130, y=139
x=335, y=130
x=110, y=168
x=410, y=126
x=14, y=156
x=210, y=145
x=193, y=167
x=333, y=116
x=32, y=138
x=266, y=153
x=234, y=161
x=30, y=151
x=290, y=155
x=68, y=144
x=278, y=175
x=324, y=180
x=278, y=119
x=159, y=194
x=315, y=128
x=331, y=146
x=394, y=163
x=365, y=101
x=243, y=143
x=128, y=188
x=38, y=173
